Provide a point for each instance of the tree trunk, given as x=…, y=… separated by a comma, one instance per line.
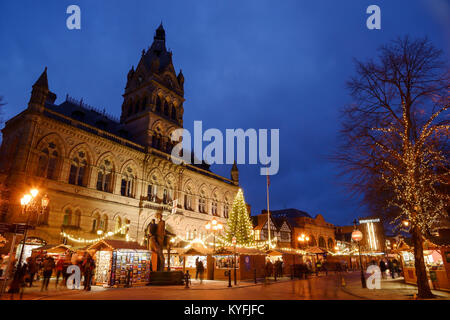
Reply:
x=424, y=291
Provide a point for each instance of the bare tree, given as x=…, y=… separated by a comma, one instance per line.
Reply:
x=395, y=138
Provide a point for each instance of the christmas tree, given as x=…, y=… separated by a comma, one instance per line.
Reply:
x=239, y=224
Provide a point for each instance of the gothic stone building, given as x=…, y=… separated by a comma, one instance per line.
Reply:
x=106, y=174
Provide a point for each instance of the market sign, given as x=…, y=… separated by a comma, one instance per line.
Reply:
x=357, y=235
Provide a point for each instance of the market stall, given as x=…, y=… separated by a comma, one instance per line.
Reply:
x=203, y=255
x=176, y=259
x=31, y=244
x=437, y=263
x=120, y=263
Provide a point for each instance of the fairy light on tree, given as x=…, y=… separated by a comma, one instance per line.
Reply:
x=239, y=224
x=395, y=139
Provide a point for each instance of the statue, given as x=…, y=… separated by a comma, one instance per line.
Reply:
x=156, y=241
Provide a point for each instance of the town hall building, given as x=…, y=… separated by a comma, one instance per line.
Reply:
x=105, y=175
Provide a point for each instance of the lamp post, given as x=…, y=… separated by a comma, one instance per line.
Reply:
x=215, y=226
x=29, y=203
x=357, y=236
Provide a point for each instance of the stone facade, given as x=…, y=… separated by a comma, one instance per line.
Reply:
x=100, y=173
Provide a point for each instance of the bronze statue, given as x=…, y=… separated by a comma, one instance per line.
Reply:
x=156, y=241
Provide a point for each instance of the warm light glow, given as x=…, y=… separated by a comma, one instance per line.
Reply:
x=405, y=223
x=99, y=232
x=26, y=199
x=208, y=226
x=34, y=192
x=307, y=238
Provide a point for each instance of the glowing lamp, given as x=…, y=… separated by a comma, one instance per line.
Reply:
x=34, y=192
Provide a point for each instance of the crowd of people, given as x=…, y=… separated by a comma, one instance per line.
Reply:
x=274, y=269
x=43, y=267
x=391, y=265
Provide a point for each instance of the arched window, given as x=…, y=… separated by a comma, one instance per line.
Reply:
x=78, y=169
x=158, y=104
x=95, y=222
x=225, y=210
x=322, y=243
x=166, y=108
x=77, y=219
x=188, y=201
x=202, y=205
x=104, y=177
x=103, y=223
x=67, y=219
x=174, y=113
x=330, y=243
x=47, y=164
x=214, y=208
x=312, y=241
x=118, y=225
x=128, y=182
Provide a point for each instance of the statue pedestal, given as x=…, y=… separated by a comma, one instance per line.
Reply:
x=154, y=262
x=166, y=278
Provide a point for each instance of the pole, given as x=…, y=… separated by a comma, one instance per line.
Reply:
x=24, y=238
x=268, y=211
x=363, y=279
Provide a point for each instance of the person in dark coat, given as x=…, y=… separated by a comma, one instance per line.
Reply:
x=201, y=270
x=32, y=269
x=47, y=266
x=383, y=268
x=391, y=269
x=88, y=270
x=196, y=268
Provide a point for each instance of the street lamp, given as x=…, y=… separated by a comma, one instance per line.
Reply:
x=29, y=203
x=303, y=239
x=357, y=236
x=215, y=226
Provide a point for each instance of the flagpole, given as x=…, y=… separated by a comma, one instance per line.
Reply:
x=268, y=211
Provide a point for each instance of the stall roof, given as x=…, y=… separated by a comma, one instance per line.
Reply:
x=315, y=250
x=53, y=248
x=116, y=244
x=197, y=251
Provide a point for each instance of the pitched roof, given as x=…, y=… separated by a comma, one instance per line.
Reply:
x=42, y=81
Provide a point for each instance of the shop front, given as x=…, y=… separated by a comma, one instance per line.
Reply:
x=120, y=263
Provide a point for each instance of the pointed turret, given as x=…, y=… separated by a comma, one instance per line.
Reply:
x=39, y=93
x=235, y=174
x=180, y=78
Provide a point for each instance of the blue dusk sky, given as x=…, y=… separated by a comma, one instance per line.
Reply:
x=247, y=64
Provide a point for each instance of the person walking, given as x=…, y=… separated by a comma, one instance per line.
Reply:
x=201, y=270
x=47, y=270
x=391, y=268
x=196, y=268
x=59, y=270
x=88, y=268
x=32, y=269
x=383, y=268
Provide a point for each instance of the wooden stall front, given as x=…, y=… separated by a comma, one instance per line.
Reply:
x=120, y=263
x=201, y=253
x=437, y=262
